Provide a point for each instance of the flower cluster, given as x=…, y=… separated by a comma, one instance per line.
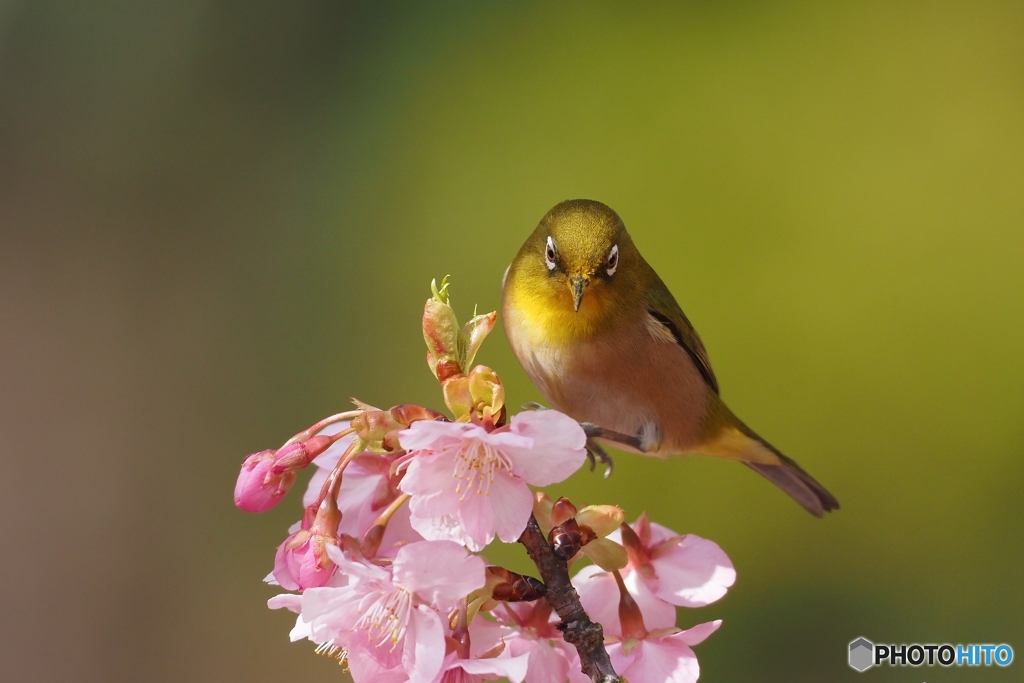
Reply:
x=384, y=566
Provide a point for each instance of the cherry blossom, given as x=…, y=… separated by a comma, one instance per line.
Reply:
x=531, y=632
x=400, y=500
x=394, y=615
x=470, y=484
x=661, y=656
x=688, y=571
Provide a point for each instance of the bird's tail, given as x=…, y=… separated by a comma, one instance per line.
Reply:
x=736, y=441
x=801, y=487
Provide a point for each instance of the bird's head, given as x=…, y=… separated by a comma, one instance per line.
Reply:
x=578, y=252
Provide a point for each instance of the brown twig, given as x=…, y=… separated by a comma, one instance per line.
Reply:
x=576, y=627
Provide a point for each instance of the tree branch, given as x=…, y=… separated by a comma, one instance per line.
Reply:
x=576, y=627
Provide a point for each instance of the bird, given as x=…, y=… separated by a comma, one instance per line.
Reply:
x=603, y=339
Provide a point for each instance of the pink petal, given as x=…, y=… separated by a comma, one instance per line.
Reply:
x=547, y=663
x=599, y=595
x=699, y=633
x=438, y=572
x=358, y=486
x=512, y=668
x=429, y=480
x=300, y=631
x=398, y=533
x=329, y=614
x=476, y=517
x=694, y=573
x=432, y=435
x=511, y=503
x=435, y=505
x=443, y=528
x=283, y=569
x=424, y=645
x=657, y=613
x=558, y=446
x=576, y=675
x=657, y=661
x=659, y=533
x=356, y=570
x=364, y=667
x=288, y=601
x=309, y=574
x=486, y=635
x=316, y=482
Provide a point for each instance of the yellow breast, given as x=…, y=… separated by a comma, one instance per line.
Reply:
x=543, y=318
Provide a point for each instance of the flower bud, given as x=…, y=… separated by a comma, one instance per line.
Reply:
x=478, y=397
x=258, y=489
x=451, y=350
x=474, y=332
x=508, y=586
x=302, y=561
x=566, y=540
x=562, y=511
x=445, y=343
x=458, y=397
x=487, y=394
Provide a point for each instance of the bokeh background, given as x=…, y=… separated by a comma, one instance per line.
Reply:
x=218, y=221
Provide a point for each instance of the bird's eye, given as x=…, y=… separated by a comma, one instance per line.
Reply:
x=613, y=260
x=549, y=254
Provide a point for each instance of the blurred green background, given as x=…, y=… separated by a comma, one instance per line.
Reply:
x=218, y=221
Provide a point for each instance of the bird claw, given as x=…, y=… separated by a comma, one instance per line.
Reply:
x=533, y=405
x=596, y=453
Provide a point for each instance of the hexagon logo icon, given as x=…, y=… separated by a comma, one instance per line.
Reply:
x=862, y=654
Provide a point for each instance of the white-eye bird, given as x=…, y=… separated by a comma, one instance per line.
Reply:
x=603, y=339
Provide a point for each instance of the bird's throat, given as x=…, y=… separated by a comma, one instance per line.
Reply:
x=550, y=320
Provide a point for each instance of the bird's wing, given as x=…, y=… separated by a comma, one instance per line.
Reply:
x=662, y=307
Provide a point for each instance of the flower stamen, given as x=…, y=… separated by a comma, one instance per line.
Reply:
x=476, y=464
x=387, y=617
x=329, y=649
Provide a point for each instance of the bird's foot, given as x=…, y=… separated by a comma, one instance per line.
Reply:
x=533, y=405
x=594, y=450
x=595, y=453
x=593, y=431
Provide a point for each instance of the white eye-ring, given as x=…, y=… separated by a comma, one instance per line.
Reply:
x=549, y=254
x=613, y=260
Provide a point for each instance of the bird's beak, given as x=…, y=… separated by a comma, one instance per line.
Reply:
x=577, y=283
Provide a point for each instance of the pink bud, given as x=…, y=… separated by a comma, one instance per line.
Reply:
x=301, y=561
x=257, y=488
